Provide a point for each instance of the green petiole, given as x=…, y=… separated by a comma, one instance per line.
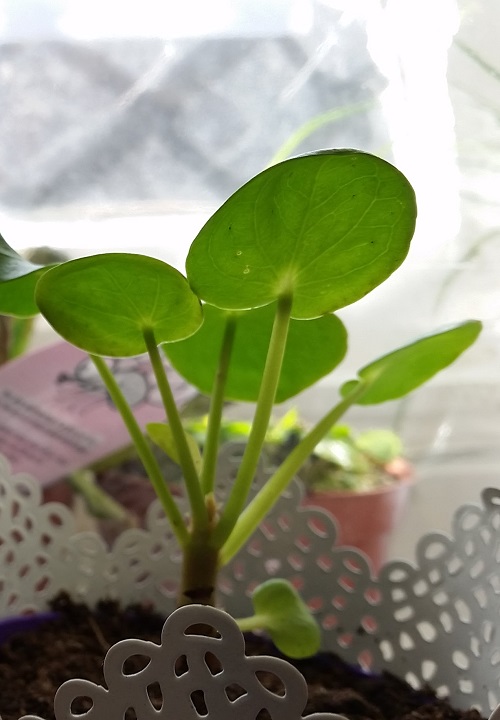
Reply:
x=265, y=403
x=199, y=514
x=211, y=447
x=145, y=453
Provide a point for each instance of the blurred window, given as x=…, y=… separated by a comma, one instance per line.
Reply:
x=115, y=108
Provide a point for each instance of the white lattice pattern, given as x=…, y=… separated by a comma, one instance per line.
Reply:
x=198, y=676
x=434, y=622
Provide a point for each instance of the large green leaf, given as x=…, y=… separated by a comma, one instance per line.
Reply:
x=313, y=349
x=325, y=228
x=104, y=304
x=398, y=373
x=18, y=278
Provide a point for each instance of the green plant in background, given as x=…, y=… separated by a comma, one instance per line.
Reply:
x=342, y=460
x=309, y=127
x=354, y=462
x=16, y=332
x=253, y=320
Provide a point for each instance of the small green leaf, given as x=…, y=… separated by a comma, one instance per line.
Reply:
x=287, y=619
x=18, y=278
x=104, y=304
x=324, y=228
x=341, y=432
x=161, y=434
x=380, y=445
x=398, y=373
x=313, y=349
x=288, y=424
x=342, y=453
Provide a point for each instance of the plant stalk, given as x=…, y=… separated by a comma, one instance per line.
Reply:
x=98, y=501
x=265, y=402
x=254, y=622
x=199, y=572
x=199, y=517
x=216, y=407
x=253, y=515
x=144, y=451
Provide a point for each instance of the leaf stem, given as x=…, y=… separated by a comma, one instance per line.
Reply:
x=265, y=402
x=144, y=451
x=199, y=517
x=98, y=501
x=216, y=407
x=253, y=622
x=250, y=519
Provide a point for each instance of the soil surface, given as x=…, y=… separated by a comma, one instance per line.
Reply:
x=74, y=645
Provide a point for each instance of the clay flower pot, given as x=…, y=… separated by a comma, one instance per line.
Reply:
x=366, y=519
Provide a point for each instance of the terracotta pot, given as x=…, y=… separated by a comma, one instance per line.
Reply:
x=365, y=520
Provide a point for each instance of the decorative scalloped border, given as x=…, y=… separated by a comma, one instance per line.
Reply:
x=192, y=670
x=434, y=622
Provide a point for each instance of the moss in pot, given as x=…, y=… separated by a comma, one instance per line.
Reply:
x=253, y=320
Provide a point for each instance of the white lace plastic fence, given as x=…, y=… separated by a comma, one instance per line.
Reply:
x=197, y=676
x=435, y=622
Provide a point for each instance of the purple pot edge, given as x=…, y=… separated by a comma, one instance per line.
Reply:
x=23, y=623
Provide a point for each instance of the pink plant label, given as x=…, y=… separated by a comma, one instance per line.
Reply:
x=56, y=416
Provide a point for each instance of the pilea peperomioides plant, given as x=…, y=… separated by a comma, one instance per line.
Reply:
x=252, y=321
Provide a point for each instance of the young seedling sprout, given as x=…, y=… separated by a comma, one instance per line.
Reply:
x=251, y=321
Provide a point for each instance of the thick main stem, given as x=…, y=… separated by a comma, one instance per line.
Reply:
x=199, y=572
x=265, y=402
x=200, y=566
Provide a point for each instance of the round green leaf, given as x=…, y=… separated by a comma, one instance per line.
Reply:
x=313, y=349
x=104, y=304
x=18, y=278
x=398, y=373
x=287, y=619
x=325, y=228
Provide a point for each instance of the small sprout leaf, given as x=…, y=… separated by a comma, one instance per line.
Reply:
x=395, y=375
x=342, y=453
x=161, y=434
x=324, y=228
x=314, y=348
x=380, y=445
x=287, y=619
x=18, y=278
x=105, y=304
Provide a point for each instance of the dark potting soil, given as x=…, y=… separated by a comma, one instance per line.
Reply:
x=34, y=664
